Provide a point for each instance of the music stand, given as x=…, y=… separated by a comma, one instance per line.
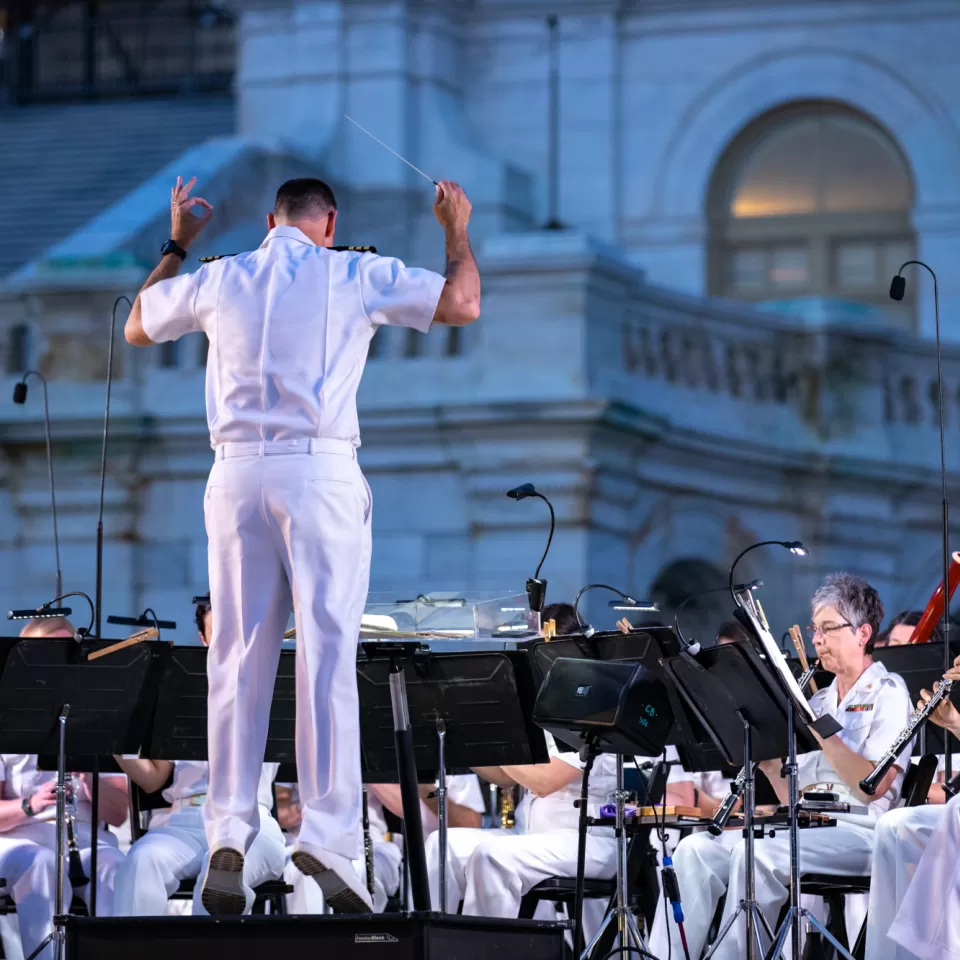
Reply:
x=414, y=703
x=739, y=701
x=52, y=695
x=178, y=730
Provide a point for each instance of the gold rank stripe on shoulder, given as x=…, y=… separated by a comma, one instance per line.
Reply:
x=222, y=256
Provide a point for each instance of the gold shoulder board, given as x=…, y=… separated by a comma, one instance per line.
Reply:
x=219, y=256
x=356, y=249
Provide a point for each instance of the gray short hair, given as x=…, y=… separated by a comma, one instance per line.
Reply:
x=857, y=601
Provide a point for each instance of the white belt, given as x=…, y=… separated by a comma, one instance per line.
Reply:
x=276, y=448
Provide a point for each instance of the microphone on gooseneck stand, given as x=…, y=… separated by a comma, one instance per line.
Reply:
x=898, y=287
x=95, y=780
x=20, y=397
x=98, y=595
x=536, y=588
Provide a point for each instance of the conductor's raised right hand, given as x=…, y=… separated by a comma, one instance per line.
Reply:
x=451, y=206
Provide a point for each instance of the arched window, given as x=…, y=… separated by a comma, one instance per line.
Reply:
x=812, y=200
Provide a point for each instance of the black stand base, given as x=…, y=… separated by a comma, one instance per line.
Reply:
x=416, y=936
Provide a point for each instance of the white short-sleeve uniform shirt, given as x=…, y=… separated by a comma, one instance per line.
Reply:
x=874, y=711
x=289, y=326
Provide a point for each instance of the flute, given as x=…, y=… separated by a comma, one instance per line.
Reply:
x=722, y=816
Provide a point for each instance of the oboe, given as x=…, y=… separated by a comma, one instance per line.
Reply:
x=871, y=782
x=723, y=815
x=367, y=844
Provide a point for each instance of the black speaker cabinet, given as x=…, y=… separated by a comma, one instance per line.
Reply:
x=622, y=704
x=426, y=936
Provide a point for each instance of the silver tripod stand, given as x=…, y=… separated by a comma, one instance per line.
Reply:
x=796, y=913
x=748, y=905
x=58, y=935
x=628, y=933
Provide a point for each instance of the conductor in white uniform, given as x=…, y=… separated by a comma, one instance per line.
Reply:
x=287, y=508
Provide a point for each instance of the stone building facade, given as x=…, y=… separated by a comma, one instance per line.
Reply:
x=702, y=357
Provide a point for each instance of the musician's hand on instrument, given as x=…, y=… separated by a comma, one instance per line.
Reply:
x=188, y=215
x=44, y=797
x=954, y=672
x=946, y=715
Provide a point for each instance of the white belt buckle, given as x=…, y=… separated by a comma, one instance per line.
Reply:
x=198, y=800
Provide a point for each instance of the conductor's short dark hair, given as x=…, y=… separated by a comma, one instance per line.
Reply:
x=302, y=198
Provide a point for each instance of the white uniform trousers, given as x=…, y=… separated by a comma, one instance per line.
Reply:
x=491, y=870
x=707, y=858
x=177, y=851
x=900, y=837
x=706, y=867
x=284, y=529
x=28, y=864
x=928, y=922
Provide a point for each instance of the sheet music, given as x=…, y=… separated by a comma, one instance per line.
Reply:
x=779, y=663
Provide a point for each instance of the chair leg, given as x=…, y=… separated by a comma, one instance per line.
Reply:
x=860, y=947
x=837, y=922
x=528, y=907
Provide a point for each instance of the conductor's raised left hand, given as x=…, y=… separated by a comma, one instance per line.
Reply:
x=188, y=215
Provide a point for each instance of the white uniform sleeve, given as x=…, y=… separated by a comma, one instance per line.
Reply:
x=399, y=296
x=567, y=756
x=890, y=714
x=465, y=791
x=169, y=308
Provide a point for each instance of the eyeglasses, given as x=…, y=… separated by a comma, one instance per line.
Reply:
x=826, y=629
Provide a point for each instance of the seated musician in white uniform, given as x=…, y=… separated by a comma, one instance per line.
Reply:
x=872, y=706
x=28, y=829
x=491, y=870
x=175, y=846
x=464, y=808
x=901, y=892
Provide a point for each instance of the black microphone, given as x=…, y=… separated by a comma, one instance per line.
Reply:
x=536, y=588
x=898, y=287
x=20, y=396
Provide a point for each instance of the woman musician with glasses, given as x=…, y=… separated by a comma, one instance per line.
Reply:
x=872, y=706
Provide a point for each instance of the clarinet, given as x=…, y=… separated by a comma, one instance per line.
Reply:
x=723, y=815
x=76, y=873
x=871, y=781
x=367, y=843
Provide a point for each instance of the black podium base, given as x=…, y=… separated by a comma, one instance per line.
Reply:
x=424, y=936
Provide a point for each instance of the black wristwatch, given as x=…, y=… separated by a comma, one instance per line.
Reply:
x=171, y=246
x=27, y=809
